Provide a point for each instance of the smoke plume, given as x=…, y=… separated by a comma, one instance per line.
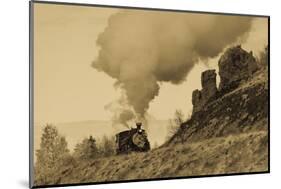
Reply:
x=141, y=48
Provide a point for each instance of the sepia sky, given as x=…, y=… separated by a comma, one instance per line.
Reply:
x=67, y=88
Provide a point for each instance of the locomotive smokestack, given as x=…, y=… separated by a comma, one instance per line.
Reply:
x=138, y=124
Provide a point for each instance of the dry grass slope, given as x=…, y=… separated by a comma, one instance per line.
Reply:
x=233, y=154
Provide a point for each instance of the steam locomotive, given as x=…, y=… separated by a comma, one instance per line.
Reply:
x=134, y=139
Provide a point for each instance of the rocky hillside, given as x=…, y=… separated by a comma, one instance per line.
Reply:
x=227, y=132
x=239, y=105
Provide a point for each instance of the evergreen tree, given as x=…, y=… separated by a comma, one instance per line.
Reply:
x=87, y=149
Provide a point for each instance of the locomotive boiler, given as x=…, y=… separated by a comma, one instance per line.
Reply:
x=134, y=139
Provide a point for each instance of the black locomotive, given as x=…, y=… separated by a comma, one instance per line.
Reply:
x=134, y=139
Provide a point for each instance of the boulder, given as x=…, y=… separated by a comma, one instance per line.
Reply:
x=235, y=65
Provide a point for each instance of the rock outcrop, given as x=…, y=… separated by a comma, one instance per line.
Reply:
x=239, y=105
x=209, y=90
x=235, y=65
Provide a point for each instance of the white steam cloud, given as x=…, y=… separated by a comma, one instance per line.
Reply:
x=142, y=48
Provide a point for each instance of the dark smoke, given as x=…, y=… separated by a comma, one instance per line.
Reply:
x=142, y=48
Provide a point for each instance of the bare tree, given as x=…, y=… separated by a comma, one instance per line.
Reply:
x=175, y=123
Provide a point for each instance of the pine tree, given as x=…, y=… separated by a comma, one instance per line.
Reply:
x=87, y=149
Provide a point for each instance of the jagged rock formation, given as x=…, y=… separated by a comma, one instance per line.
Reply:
x=239, y=105
x=209, y=89
x=243, y=110
x=235, y=65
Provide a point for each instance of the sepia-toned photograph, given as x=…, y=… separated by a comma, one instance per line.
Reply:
x=125, y=94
